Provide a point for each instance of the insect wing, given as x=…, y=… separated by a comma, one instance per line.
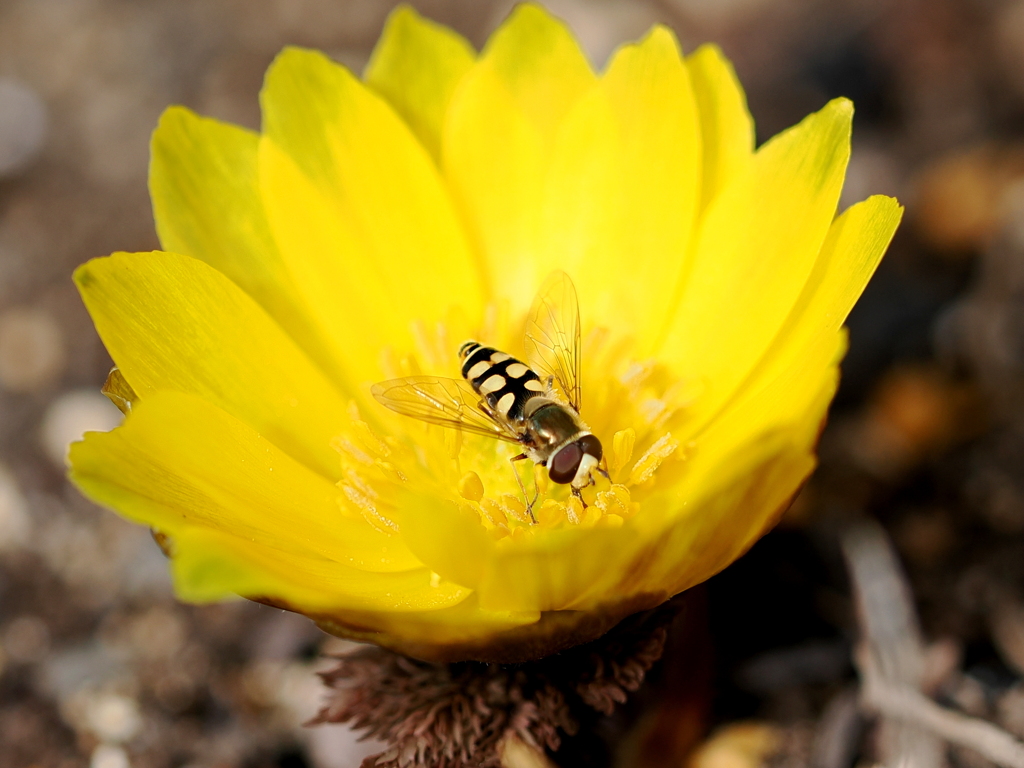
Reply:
x=553, y=335
x=448, y=402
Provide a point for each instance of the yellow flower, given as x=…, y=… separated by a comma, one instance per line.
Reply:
x=372, y=227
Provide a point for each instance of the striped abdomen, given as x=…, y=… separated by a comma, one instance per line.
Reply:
x=504, y=382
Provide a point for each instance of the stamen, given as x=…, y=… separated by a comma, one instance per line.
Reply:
x=356, y=480
x=514, y=507
x=368, y=509
x=453, y=443
x=616, y=501
x=369, y=441
x=551, y=514
x=390, y=471
x=635, y=375
x=494, y=513
x=643, y=394
x=653, y=410
x=611, y=521
x=622, y=449
x=648, y=464
x=345, y=446
x=591, y=516
x=574, y=510
x=471, y=487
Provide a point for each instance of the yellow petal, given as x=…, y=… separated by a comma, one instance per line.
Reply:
x=744, y=472
x=623, y=189
x=457, y=633
x=721, y=499
x=173, y=322
x=852, y=251
x=358, y=211
x=539, y=62
x=758, y=243
x=204, y=184
x=793, y=401
x=178, y=461
x=500, y=132
x=552, y=572
x=209, y=565
x=450, y=540
x=721, y=525
x=416, y=66
x=727, y=130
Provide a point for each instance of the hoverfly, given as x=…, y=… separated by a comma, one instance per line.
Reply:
x=504, y=398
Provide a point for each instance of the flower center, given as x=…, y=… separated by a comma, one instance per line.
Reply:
x=639, y=411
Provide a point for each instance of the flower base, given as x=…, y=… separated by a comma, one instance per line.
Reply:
x=463, y=715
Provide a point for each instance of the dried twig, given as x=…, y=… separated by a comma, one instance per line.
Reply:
x=902, y=703
x=890, y=658
x=835, y=738
x=892, y=638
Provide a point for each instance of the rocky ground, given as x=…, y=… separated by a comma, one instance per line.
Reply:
x=100, y=667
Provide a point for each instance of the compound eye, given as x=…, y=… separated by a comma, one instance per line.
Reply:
x=591, y=446
x=563, y=465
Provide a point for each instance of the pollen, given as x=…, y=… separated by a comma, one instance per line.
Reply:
x=616, y=501
x=574, y=510
x=648, y=464
x=494, y=514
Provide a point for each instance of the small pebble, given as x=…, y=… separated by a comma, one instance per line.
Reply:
x=958, y=208
x=15, y=522
x=32, y=352
x=26, y=639
x=114, y=718
x=109, y=756
x=738, y=745
x=23, y=125
x=70, y=416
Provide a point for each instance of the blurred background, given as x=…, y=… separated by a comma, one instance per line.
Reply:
x=100, y=667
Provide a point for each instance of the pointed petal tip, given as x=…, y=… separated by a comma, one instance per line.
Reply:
x=528, y=15
x=174, y=114
x=832, y=125
x=83, y=276
x=295, y=56
x=405, y=17
x=406, y=32
x=890, y=201
x=885, y=207
x=529, y=8
x=840, y=106
x=660, y=36
x=709, y=49
x=177, y=116
x=401, y=13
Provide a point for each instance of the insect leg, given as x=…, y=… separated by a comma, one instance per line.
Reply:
x=526, y=498
x=576, y=492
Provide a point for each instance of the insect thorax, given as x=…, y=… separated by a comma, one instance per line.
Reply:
x=505, y=383
x=551, y=425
